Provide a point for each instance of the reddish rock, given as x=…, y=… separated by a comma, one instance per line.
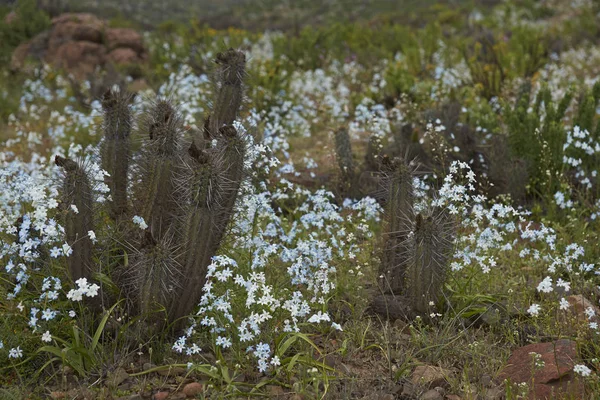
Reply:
x=554, y=378
x=77, y=31
x=80, y=18
x=192, y=389
x=123, y=56
x=124, y=37
x=579, y=305
x=160, y=395
x=80, y=58
x=80, y=43
x=34, y=49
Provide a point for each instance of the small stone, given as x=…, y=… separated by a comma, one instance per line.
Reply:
x=387, y=396
x=408, y=390
x=432, y=394
x=453, y=397
x=160, y=395
x=58, y=395
x=430, y=375
x=192, y=389
x=148, y=366
x=275, y=391
x=117, y=377
x=486, y=380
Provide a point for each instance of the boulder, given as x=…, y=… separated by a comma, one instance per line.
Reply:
x=124, y=37
x=80, y=57
x=80, y=43
x=123, y=56
x=554, y=380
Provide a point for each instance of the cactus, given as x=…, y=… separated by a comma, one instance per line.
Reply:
x=416, y=248
x=343, y=152
x=430, y=247
x=115, y=147
x=216, y=182
x=160, y=199
x=77, y=191
x=399, y=216
x=185, y=187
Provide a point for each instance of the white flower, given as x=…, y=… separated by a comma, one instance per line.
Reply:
x=545, y=285
x=47, y=337
x=92, y=236
x=72, y=314
x=66, y=249
x=582, y=370
x=223, y=342
x=15, y=353
x=534, y=310
x=92, y=290
x=139, y=221
x=74, y=208
x=564, y=304
x=337, y=326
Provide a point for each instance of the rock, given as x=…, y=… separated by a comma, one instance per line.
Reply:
x=433, y=394
x=408, y=390
x=80, y=58
x=579, y=305
x=123, y=56
x=80, y=43
x=58, y=395
x=162, y=395
x=275, y=391
x=192, y=389
x=555, y=377
x=10, y=17
x=485, y=380
x=116, y=377
x=496, y=393
x=386, y=396
x=430, y=375
x=148, y=366
x=76, y=31
x=124, y=38
x=453, y=397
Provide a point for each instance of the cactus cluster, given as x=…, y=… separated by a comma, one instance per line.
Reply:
x=417, y=245
x=183, y=184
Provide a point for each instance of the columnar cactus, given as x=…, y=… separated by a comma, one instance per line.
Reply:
x=430, y=249
x=184, y=187
x=417, y=248
x=343, y=152
x=399, y=215
x=77, y=201
x=115, y=149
